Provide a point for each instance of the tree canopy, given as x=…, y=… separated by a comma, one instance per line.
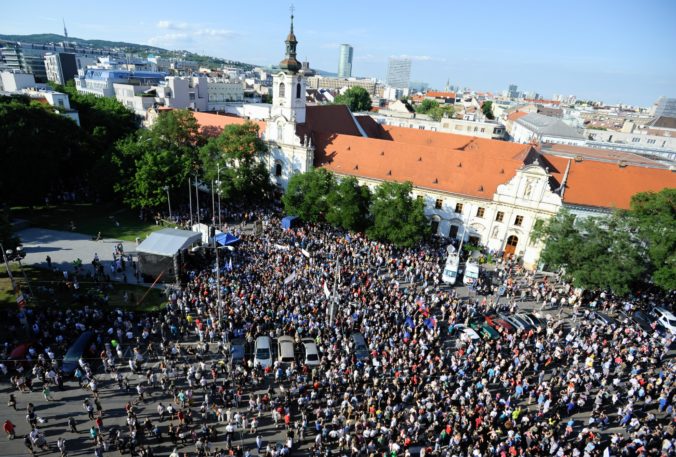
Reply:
x=356, y=98
x=653, y=214
x=349, y=205
x=233, y=157
x=307, y=194
x=596, y=253
x=487, y=109
x=433, y=109
x=397, y=217
x=39, y=150
x=164, y=155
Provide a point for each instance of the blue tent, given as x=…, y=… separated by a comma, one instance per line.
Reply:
x=226, y=239
x=288, y=222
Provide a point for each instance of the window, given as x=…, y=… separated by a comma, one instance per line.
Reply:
x=278, y=169
x=453, y=232
x=438, y=203
x=483, y=130
x=651, y=141
x=499, y=216
x=421, y=127
x=480, y=212
x=518, y=220
x=635, y=139
x=281, y=90
x=458, y=208
x=298, y=90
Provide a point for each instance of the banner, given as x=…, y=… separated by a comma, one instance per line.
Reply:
x=290, y=278
x=326, y=291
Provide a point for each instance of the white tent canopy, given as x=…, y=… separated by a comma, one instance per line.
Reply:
x=168, y=241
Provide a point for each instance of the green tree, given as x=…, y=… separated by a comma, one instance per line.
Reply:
x=37, y=149
x=654, y=216
x=397, y=217
x=426, y=106
x=595, y=253
x=164, y=155
x=349, y=205
x=487, y=109
x=307, y=194
x=356, y=98
x=236, y=151
x=441, y=111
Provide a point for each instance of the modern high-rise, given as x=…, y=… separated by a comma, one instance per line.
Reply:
x=345, y=61
x=61, y=67
x=399, y=73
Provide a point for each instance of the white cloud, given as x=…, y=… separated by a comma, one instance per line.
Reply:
x=181, y=35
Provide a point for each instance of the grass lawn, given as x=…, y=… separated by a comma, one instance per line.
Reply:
x=43, y=280
x=89, y=219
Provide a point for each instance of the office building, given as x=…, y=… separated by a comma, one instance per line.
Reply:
x=60, y=67
x=345, y=61
x=99, y=82
x=399, y=73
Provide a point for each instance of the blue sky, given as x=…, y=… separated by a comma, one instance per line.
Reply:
x=615, y=51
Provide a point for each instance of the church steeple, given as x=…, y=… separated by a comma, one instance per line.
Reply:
x=290, y=64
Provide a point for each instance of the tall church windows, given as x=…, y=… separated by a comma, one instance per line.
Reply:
x=282, y=90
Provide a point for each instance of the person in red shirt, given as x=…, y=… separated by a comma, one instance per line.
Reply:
x=9, y=429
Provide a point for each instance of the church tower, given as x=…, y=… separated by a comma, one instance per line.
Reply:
x=288, y=88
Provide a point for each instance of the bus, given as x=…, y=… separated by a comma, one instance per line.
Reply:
x=471, y=275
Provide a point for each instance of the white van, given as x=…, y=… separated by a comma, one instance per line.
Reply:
x=263, y=352
x=285, y=352
x=471, y=275
x=450, y=273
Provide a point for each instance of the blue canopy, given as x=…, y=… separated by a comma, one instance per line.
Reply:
x=226, y=239
x=288, y=222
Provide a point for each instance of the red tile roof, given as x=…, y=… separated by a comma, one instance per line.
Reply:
x=516, y=115
x=445, y=162
x=607, y=185
x=213, y=124
x=602, y=155
x=438, y=94
x=328, y=118
x=542, y=101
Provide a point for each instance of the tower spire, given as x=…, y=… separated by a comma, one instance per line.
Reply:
x=65, y=31
x=290, y=64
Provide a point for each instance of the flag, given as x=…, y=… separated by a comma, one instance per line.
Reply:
x=326, y=291
x=230, y=265
x=305, y=253
x=290, y=278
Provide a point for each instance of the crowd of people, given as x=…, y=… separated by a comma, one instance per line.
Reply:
x=568, y=388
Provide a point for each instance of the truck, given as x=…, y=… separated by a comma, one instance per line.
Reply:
x=451, y=268
x=471, y=275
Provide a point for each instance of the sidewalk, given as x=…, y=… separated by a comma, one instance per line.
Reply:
x=66, y=247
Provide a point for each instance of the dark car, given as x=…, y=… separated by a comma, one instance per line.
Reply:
x=237, y=350
x=647, y=322
x=604, y=319
x=485, y=330
x=361, y=350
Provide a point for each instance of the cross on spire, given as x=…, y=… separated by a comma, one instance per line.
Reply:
x=292, y=9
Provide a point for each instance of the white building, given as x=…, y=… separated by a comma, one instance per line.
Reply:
x=223, y=92
x=14, y=81
x=535, y=127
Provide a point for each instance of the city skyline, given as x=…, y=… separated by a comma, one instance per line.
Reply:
x=602, y=51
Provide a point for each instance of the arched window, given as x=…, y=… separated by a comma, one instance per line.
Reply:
x=298, y=90
x=278, y=169
x=435, y=224
x=281, y=89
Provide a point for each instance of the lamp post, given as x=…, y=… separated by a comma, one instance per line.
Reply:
x=168, y=201
x=9, y=272
x=218, y=188
x=9, y=252
x=190, y=198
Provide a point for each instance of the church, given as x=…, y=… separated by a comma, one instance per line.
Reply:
x=488, y=191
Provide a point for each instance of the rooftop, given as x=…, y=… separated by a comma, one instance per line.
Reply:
x=550, y=126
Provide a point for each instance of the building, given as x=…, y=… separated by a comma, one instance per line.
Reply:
x=410, y=119
x=399, y=73
x=14, y=81
x=323, y=82
x=345, y=61
x=481, y=190
x=27, y=58
x=223, y=92
x=99, y=82
x=535, y=127
x=61, y=67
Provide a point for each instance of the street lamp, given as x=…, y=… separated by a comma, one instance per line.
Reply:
x=9, y=272
x=218, y=188
x=19, y=250
x=169, y=201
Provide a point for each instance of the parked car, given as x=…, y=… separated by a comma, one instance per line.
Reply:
x=648, y=323
x=666, y=319
x=485, y=330
x=517, y=322
x=361, y=350
x=538, y=323
x=464, y=333
x=285, y=353
x=310, y=352
x=604, y=319
x=263, y=352
x=499, y=324
x=237, y=350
